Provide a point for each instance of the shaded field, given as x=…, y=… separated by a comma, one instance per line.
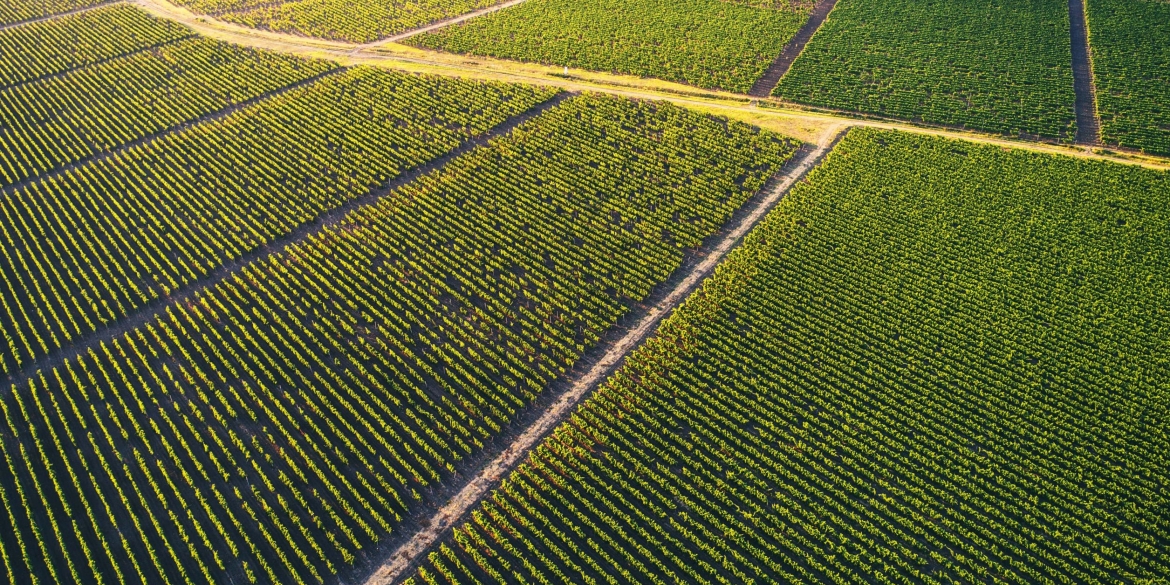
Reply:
x=1131, y=65
x=986, y=65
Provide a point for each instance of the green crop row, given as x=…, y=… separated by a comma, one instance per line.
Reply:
x=68, y=118
x=996, y=65
x=41, y=49
x=85, y=247
x=276, y=427
x=707, y=43
x=1131, y=67
x=340, y=20
x=935, y=361
x=14, y=11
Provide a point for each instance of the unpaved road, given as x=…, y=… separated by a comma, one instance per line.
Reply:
x=1088, y=124
x=467, y=498
x=765, y=84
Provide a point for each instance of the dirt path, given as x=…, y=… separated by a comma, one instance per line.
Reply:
x=438, y=25
x=147, y=311
x=479, y=486
x=764, y=85
x=1088, y=124
x=58, y=15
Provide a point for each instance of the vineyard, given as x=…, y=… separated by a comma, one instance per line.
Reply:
x=340, y=20
x=285, y=420
x=981, y=64
x=93, y=110
x=42, y=49
x=16, y=11
x=935, y=361
x=707, y=43
x=145, y=221
x=1131, y=64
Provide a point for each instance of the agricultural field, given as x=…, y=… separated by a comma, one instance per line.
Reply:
x=935, y=361
x=990, y=65
x=17, y=11
x=707, y=43
x=1131, y=65
x=340, y=20
x=138, y=225
x=42, y=49
x=74, y=116
x=282, y=422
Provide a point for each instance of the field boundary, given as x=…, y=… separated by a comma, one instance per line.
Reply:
x=578, y=387
x=771, y=78
x=1088, y=121
x=152, y=308
x=437, y=25
x=59, y=15
x=173, y=129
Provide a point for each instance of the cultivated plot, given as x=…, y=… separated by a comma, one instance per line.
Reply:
x=16, y=11
x=87, y=247
x=991, y=65
x=707, y=43
x=935, y=360
x=41, y=49
x=1131, y=64
x=284, y=420
x=341, y=20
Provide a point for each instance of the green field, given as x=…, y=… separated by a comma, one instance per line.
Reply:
x=15, y=11
x=707, y=43
x=38, y=50
x=935, y=361
x=982, y=64
x=341, y=20
x=1131, y=66
x=140, y=224
x=287, y=418
x=51, y=123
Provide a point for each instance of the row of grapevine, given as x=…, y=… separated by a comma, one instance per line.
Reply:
x=339, y=20
x=1131, y=66
x=934, y=362
x=61, y=120
x=89, y=245
x=14, y=11
x=276, y=427
x=46, y=48
x=995, y=65
x=707, y=43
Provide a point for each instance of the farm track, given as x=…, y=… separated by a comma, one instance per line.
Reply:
x=585, y=377
x=59, y=15
x=770, y=113
x=764, y=85
x=149, y=310
x=204, y=119
x=98, y=62
x=1088, y=124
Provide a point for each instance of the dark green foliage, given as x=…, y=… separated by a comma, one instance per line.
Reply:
x=997, y=65
x=1130, y=42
